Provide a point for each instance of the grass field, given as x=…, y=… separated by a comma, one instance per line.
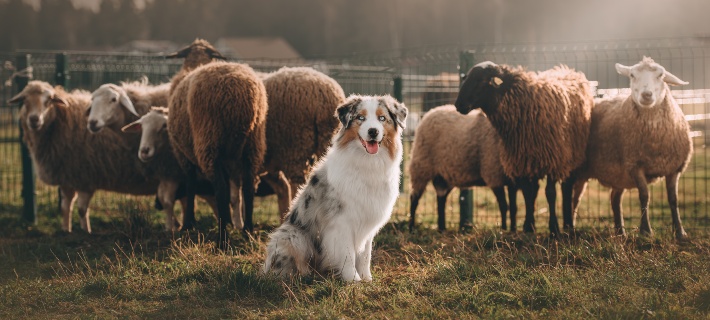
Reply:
x=131, y=269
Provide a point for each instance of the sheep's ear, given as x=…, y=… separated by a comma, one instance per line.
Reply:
x=180, y=54
x=673, y=80
x=19, y=98
x=58, y=101
x=397, y=110
x=346, y=111
x=133, y=127
x=126, y=102
x=214, y=54
x=622, y=69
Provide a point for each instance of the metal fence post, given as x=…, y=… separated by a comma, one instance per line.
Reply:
x=61, y=78
x=397, y=94
x=466, y=60
x=29, y=211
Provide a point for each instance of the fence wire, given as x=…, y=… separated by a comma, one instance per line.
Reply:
x=429, y=79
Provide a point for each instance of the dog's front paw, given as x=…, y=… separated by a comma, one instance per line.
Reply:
x=351, y=276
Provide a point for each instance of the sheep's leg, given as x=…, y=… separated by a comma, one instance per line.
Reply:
x=414, y=197
x=188, y=215
x=166, y=194
x=577, y=191
x=513, y=204
x=530, y=188
x=567, y=204
x=220, y=181
x=672, y=190
x=442, y=192
x=551, y=195
x=82, y=203
x=282, y=188
x=499, y=192
x=212, y=202
x=67, y=204
x=236, y=201
x=248, y=191
x=642, y=185
x=616, y=196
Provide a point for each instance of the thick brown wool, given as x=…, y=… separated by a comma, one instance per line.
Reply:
x=461, y=149
x=219, y=110
x=624, y=136
x=544, y=122
x=65, y=153
x=300, y=122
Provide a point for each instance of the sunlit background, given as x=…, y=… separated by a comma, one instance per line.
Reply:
x=318, y=28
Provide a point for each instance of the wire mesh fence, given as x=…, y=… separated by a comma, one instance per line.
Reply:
x=429, y=78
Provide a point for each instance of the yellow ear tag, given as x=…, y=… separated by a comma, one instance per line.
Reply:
x=496, y=82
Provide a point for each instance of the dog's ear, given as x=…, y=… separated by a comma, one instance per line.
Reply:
x=346, y=112
x=398, y=111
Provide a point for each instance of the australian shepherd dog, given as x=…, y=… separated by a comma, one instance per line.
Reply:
x=349, y=195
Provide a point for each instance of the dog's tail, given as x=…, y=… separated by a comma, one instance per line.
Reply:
x=289, y=252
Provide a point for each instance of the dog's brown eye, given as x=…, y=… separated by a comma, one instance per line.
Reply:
x=382, y=118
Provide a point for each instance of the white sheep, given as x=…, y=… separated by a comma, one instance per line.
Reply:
x=67, y=155
x=115, y=106
x=455, y=150
x=156, y=152
x=636, y=139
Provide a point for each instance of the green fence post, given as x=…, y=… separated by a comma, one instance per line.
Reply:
x=397, y=94
x=61, y=78
x=466, y=60
x=29, y=211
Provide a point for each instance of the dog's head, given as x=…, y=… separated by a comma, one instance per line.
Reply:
x=371, y=121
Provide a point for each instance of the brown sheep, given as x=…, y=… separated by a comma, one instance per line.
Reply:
x=543, y=119
x=455, y=150
x=299, y=126
x=67, y=155
x=217, y=125
x=636, y=139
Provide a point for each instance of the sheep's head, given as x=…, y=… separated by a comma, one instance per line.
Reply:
x=648, y=81
x=196, y=54
x=108, y=103
x=481, y=87
x=39, y=102
x=153, y=127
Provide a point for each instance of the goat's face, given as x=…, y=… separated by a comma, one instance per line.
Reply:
x=109, y=104
x=153, y=128
x=480, y=88
x=39, y=102
x=648, y=82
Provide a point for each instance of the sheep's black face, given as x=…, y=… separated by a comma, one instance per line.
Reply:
x=479, y=88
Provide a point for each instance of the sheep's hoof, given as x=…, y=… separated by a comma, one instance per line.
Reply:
x=621, y=232
x=528, y=228
x=648, y=233
x=681, y=236
x=187, y=227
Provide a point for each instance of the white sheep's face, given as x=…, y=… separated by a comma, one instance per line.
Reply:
x=153, y=128
x=648, y=82
x=39, y=103
x=108, y=103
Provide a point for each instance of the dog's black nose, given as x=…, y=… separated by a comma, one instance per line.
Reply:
x=372, y=132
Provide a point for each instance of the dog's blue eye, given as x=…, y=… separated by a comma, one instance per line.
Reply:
x=382, y=118
x=361, y=118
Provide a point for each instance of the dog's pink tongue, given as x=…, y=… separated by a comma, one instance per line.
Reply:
x=372, y=147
